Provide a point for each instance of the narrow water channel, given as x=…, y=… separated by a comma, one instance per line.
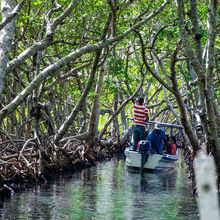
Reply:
x=107, y=191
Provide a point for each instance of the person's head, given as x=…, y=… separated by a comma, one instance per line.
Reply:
x=156, y=127
x=141, y=101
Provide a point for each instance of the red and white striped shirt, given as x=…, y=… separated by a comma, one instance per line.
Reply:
x=140, y=114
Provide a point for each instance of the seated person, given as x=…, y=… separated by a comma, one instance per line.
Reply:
x=167, y=147
x=156, y=137
x=174, y=146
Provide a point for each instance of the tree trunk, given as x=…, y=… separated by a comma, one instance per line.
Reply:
x=94, y=118
x=123, y=116
x=6, y=36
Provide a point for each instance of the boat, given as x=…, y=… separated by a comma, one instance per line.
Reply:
x=154, y=161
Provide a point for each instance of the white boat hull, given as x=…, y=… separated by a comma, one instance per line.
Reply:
x=155, y=161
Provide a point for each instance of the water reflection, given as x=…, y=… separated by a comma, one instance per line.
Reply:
x=155, y=182
x=107, y=191
x=167, y=179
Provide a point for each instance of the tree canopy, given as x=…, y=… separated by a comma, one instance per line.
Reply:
x=71, y=69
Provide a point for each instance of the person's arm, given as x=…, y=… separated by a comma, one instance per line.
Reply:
x=147, y=114
x=149, y=136
x=147, y=117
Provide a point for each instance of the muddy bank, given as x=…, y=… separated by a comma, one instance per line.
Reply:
x=23, y=169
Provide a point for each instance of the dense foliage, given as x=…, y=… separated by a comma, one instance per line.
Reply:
x=70, y=70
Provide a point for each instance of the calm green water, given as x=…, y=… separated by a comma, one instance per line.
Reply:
x=107, y=191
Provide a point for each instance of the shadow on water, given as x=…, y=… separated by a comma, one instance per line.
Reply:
x=107, y=191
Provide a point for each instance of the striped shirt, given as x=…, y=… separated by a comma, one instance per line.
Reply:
x=140, y=113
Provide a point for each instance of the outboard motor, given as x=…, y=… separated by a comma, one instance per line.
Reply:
x=144, y=149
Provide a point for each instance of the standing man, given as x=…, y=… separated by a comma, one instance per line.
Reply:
x=140, y=119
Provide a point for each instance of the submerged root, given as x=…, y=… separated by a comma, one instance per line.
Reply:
x=32, y=166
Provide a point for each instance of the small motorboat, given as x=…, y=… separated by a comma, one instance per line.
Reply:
x=153, y=161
